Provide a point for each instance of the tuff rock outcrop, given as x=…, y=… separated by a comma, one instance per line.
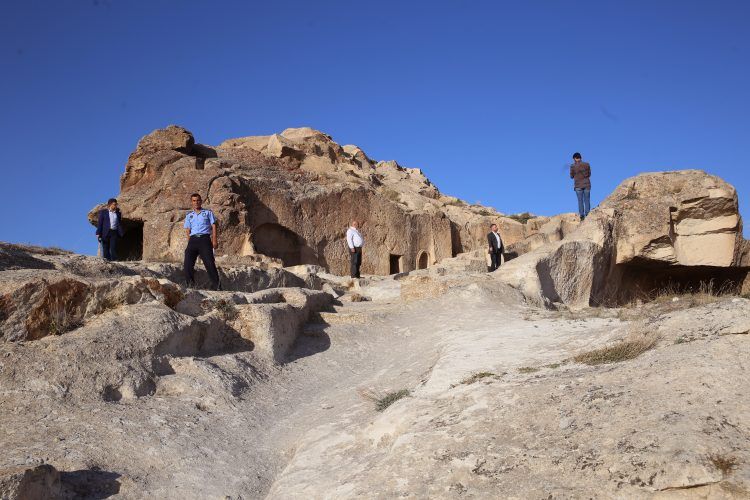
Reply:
x=678, y=230
x=289, y=197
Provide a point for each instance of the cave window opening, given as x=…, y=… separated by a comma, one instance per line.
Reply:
x=275, y=240
x=422, y=261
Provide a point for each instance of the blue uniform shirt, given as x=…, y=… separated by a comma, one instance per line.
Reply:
x=199, y=223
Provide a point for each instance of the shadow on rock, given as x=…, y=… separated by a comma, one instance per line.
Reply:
x=308, y=346
x=91, y=484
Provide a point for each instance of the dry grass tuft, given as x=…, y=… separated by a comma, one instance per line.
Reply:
x=622, y=351
x=356, y=297
x=384, y=400
x=478, y=376
x=226, y=309
x=528, y=369
x=724, y=463
x=62, y=318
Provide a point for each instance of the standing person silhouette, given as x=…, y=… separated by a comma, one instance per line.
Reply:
x=580, y=172
x=200, y=225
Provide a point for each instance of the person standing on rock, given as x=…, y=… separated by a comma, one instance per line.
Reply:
x=202, y=240
x=354, y=241
x=580, y=172
x=495, y=243
x=109, y=229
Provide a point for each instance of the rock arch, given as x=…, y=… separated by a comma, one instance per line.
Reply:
x=423, y=260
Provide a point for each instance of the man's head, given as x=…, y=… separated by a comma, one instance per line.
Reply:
x=112, y=204
x=576, y=157
x=493, y=228
x=355, y=224
x=196, y=201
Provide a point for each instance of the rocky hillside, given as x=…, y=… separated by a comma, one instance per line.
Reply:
x=117, y=382
x=291, y=196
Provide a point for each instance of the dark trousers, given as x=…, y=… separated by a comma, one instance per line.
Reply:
x=496, y=256
x=200, y=245
x=109, y=246
x=355, y=261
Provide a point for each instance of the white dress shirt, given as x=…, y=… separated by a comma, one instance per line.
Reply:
x=497, y=237
x=113, y=222
x=353, y=238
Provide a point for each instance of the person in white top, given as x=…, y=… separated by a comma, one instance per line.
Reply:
x=354, y=241
x=495, y=244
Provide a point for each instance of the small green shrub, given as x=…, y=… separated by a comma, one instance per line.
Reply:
x=523, y=218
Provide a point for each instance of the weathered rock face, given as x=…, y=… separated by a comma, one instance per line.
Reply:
x=686, y=218
x=291, y=196
x=657, y=230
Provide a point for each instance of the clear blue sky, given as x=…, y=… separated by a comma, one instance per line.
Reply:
x=489, y=98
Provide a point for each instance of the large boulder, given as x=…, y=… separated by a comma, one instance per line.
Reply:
x=675, y=230
x=687, y=218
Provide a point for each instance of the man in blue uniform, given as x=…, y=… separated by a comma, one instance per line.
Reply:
x=109, y=229
x=202, y=240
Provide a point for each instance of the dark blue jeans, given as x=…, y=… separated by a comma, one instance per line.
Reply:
x=584, y=201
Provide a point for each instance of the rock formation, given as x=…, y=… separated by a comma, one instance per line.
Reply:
x=658, y=230
x=291, y=196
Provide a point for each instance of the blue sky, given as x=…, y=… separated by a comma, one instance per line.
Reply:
x=489, y=98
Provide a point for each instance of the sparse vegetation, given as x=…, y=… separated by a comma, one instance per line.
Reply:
x=724, y=463
x=622, y=351
x=356, y=297
x=528, y=369
x=62, y=318
x=485, y=212
x=478, y=376
x=523, y=218
x=384, y=400
x=554, y=366
x=455, y=202
x=226, y=309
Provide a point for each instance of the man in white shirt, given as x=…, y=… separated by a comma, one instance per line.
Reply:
x=495, y=244
x=354, y=241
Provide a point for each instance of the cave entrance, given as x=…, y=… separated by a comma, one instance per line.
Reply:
x=130, y=246
x=422, y=261
x=275, y=240
x=395, y=264
x=647, y=283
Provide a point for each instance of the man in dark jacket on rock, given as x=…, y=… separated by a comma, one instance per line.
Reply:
x=109, y=229
x=495, y=243
x=580, y=172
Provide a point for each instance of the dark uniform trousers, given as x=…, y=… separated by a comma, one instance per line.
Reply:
x=200, y=245
x=355, y=262
x=109, y=245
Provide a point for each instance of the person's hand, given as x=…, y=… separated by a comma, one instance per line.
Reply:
x=215, y=244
